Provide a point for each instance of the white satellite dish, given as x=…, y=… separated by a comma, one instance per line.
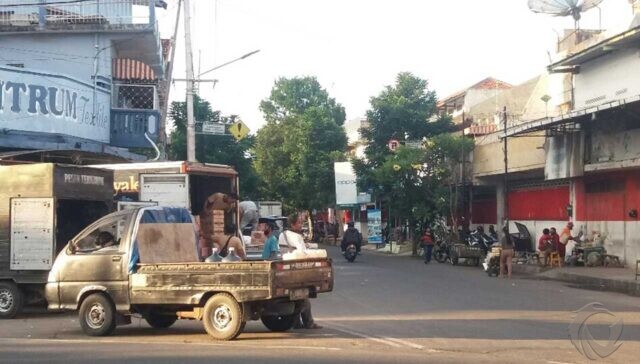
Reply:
x=563, y=7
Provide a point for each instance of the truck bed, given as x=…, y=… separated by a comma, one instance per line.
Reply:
x=187, y=283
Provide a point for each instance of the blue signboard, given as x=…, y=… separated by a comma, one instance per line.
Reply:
x=374, y=222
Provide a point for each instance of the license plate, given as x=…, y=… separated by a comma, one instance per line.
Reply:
x=299, y=294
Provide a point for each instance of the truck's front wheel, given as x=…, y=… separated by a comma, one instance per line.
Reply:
x=222, y=317
x=10, y=300
x=279, y=323
x=97, y=315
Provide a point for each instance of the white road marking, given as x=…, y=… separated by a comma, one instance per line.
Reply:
x=393, y=342
x=147, y=342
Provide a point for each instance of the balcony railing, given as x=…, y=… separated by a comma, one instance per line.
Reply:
x=128, y=127
x=92, y=12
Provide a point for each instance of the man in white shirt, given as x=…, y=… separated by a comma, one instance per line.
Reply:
x=292, y=239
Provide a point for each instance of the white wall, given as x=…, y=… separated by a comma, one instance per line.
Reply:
x=608, y=78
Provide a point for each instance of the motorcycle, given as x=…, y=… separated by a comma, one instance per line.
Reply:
x=492, y=261
x=441, y=251
x=351, y=252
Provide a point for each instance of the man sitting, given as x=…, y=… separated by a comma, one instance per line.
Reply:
x=351, y=236
x=545, y=246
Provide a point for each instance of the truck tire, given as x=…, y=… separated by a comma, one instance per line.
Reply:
x=97, y=315
x=222, y=317
x=158, y=320
x=11, y=300
x=278, y=323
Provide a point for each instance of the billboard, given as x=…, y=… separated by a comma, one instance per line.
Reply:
x=346, y=191
x=36, y=101
x=374, y=223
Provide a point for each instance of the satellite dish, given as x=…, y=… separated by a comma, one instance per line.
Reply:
x=563, y=7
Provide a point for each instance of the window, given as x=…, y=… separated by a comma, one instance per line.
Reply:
x=106, y=237
x=17, y=65
x=141, y=97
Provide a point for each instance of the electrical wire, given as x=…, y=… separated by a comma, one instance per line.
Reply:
x=45, y=3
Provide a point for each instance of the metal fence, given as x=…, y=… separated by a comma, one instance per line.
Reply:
x=58, y=12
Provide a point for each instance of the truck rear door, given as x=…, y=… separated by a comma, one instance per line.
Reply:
x=167, y=189
x=32, y=233
x=299, y=279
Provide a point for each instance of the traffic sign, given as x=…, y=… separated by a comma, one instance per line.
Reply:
x=213, y=128
x=239, y=130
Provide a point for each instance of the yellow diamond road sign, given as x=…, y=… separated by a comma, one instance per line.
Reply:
x=239, y=130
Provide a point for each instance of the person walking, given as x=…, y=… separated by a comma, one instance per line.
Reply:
x=506, y=256
x=427, y=244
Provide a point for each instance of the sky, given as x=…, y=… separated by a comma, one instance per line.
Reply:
x=356, y=47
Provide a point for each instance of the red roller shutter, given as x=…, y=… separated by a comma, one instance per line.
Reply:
x=539, y=203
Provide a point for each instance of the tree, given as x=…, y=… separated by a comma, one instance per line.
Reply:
x=405, y=111
x=296, y=149
x=220, y=149
x=447, y=153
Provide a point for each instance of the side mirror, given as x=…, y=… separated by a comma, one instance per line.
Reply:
x=72, y=247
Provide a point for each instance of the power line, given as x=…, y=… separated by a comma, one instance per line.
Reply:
x=45, y=3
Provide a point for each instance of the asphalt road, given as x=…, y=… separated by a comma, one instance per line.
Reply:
x=384, y=309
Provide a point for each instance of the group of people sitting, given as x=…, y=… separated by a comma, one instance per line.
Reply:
x=550, y=242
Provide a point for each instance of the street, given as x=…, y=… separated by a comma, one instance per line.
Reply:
x=384, y=309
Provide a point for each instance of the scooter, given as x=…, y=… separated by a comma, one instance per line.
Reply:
x=351, y=252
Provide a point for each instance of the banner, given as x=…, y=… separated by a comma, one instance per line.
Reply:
x=374, y=222
x=346, y=191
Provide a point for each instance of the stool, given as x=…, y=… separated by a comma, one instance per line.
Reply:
x=555, y=259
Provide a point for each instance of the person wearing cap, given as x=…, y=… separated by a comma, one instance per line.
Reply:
x=351, y=236
x=565, y=236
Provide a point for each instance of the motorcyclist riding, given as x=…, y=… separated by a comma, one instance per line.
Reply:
x=351, y=236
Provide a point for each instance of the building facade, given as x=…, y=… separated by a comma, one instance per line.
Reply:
x=80, y=75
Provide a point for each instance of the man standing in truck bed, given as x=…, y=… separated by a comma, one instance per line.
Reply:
x=217, y=201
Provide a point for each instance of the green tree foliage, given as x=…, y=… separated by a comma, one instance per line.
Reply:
x=447, y=153
x=410, y=180
x=403, y=111
x=296, y=149
x=220, y=149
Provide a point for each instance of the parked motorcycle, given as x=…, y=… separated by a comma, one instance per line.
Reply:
x=351, y=252
x=441, y=251
x=492, y=261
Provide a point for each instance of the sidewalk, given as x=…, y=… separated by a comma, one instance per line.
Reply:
x=395, y=249
x=620, y=280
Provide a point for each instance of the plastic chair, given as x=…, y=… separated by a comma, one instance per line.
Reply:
x=555, y=260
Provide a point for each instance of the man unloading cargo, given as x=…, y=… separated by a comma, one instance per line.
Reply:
x=216, y=202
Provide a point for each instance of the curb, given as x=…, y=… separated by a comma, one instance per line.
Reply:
x=631, y=288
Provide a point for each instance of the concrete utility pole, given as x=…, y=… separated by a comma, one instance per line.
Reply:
x=191, y=125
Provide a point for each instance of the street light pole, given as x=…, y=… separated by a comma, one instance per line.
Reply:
x=191, y=126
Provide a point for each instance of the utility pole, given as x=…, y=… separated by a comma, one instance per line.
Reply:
x=506, y=168
x=162, y=135
x=191, y=126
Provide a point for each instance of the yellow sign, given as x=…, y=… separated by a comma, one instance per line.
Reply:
x=239, y=130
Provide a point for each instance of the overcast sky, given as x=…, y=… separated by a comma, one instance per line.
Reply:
x=356, y=47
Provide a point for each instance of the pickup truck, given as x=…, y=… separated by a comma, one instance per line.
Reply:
x=145, y=261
